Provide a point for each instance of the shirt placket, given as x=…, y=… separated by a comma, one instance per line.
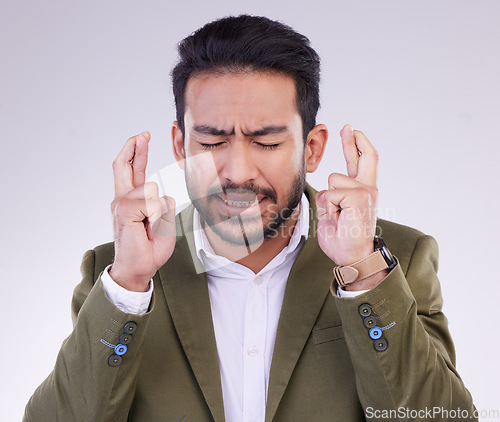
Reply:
x=254, y=379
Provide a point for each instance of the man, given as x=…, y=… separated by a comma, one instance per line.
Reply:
x=265, y=300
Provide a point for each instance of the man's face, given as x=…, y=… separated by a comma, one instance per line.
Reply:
x=245, y=165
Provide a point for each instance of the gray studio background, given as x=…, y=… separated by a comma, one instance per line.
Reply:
x=77, y=78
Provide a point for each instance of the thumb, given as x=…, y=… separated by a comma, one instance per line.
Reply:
x=165, y=225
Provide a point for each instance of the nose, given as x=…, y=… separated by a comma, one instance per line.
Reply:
x=238, y=166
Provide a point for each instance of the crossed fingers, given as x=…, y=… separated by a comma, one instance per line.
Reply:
x=129, y=167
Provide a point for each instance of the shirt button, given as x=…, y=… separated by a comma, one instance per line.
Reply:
x=253, y=351
x=258, y=280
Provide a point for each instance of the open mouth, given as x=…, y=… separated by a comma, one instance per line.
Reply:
x=242, y=204
x=241, y=198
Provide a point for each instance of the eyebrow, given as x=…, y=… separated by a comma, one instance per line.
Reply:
x=267, y=130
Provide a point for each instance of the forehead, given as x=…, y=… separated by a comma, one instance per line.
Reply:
x=249, y=98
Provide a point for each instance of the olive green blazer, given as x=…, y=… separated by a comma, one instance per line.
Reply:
x=325, y=367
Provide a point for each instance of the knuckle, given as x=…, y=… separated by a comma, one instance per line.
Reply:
x=114, y=206
x=367, y=194
x=153, y=209
x=328, y=196
x=331, y=180
x=120, y=205
x=151, y=190
x=171, y=201
x=168, y=204
x=363, y=194
x=334, y=179
x=117, y=206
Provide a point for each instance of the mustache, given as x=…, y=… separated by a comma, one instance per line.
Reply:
x=243, y=188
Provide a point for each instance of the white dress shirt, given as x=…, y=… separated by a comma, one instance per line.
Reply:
x=245, y=313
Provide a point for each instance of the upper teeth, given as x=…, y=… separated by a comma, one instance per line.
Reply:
x=240, y=203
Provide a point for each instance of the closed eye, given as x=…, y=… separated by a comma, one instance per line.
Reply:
x=268, y=146
x=211, y=146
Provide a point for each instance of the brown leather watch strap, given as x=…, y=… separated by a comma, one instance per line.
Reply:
x=360, y=270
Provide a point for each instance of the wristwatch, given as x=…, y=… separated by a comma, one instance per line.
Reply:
x=379, y=260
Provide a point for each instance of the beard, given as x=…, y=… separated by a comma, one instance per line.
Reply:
x=241, y=230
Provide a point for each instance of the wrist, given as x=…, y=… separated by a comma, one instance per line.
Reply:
x=368, y=283
x=346, y=259
x=134, y=284
x=367, y=272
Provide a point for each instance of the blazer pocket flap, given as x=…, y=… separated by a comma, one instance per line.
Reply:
x=326, y=334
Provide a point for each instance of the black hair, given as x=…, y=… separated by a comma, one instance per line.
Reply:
x=250, y=43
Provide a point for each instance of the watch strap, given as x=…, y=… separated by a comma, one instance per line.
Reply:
x=361, y=269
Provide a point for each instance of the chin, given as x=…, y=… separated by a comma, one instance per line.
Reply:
x=237, y=232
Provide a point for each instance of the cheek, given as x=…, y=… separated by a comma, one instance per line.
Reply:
x=202, y=168
x=282, y=172
x=288, y=164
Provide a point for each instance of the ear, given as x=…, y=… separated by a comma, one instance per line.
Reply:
x=315, y=147
x=178, y=145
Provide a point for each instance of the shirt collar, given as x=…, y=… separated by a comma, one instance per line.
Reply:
x=211, y=260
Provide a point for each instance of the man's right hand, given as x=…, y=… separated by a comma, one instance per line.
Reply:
x=144, y=223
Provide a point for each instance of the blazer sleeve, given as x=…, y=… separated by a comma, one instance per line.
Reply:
x=92, y=380
x=400, y=345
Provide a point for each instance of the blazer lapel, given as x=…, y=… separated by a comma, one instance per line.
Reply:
x=307, y=288
x=186, y=292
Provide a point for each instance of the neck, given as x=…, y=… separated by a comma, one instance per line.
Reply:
x=255, y=257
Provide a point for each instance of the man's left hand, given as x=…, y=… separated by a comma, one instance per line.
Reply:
x=347, y=210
